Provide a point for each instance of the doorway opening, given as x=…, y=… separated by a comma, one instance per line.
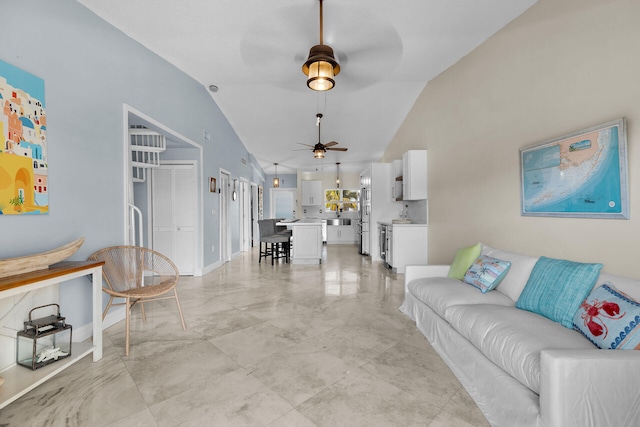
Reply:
x=140, y=158
x=283, y=203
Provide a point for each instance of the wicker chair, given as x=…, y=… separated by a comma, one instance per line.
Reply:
x=138, y=275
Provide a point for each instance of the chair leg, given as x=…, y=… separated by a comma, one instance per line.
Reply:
x=106, y=309
x=144, y=315
x=184, y=326
x=128, y=323
x=273, y=251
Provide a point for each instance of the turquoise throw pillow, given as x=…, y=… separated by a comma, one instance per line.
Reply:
x=557, y=287
x=463, y=260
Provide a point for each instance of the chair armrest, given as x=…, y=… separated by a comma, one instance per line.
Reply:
x=589, y=388
x=413, y=272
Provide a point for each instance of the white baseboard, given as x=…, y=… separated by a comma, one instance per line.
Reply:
x=85, y=332
x=211, y=267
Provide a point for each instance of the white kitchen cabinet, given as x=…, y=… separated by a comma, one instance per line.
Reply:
x=414, y=175
x=406, y=245
x=340, y=234
x=396, y=180
x=307, y=238
x=312, y=193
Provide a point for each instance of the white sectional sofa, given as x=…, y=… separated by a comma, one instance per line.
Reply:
x=521, y=368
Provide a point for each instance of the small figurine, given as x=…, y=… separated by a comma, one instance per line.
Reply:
x=51, y=353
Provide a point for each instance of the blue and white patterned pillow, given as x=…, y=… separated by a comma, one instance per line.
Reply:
x=486, y=273
x=610, y=319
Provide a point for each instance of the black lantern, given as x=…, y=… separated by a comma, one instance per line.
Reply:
x=43, y=341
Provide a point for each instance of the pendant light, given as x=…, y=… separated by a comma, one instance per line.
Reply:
x=276, y=181
x=338, y=175
x=318, y=149
x=321, y=66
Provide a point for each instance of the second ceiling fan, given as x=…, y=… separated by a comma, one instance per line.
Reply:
x=319, y=149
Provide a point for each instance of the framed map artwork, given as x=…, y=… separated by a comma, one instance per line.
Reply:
x=582, y=175
x=24, y=169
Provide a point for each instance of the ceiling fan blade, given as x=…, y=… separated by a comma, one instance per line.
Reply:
x=306, y=144
x=331, y=144
x=337, y=149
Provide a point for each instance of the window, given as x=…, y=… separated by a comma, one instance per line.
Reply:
x=343, y=200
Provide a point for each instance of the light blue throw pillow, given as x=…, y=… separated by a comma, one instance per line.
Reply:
x=557, y=287
x=610, y=319
x=486, y=273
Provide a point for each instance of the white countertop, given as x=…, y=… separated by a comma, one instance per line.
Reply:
x=304, y=221
x=413, y=224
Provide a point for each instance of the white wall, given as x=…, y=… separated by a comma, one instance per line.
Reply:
x=564, y=65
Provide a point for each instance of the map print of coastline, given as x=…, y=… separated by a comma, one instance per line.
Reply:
x=580, y=174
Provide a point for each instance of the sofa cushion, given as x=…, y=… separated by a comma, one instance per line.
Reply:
x=513, y=338
x=486, y=273
x=463, y=260
x=557, y=287
x=521, y=266
x=439, y=293
x=610, y=319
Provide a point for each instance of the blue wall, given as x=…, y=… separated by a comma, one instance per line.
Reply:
x=90, y=71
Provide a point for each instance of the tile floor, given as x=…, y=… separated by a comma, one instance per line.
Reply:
x=288, y=345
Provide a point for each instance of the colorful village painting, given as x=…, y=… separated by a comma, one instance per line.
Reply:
x=24, y=187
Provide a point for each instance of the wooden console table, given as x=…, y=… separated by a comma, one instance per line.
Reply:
x=18, y=380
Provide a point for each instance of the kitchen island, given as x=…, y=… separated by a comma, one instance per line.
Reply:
x=307, y=240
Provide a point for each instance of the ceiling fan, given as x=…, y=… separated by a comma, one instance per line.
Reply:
x=319, y=149
x=277, y=43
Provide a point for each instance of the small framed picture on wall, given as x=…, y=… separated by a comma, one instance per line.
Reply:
x=212, y=185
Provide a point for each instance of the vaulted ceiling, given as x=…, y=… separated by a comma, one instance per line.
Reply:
x=253, y=50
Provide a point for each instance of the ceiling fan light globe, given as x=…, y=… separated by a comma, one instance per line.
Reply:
x=321, y=84
x=318, y=154
x=321, y=68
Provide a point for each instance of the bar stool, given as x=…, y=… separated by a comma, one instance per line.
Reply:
x=276, y=245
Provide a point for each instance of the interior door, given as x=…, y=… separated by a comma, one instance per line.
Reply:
x=174, y=218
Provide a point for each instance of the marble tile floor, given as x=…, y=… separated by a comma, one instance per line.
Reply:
x=283, y=345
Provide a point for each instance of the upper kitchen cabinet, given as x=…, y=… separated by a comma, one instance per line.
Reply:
x=396, y=180
x=312, y=193
x=414, y=175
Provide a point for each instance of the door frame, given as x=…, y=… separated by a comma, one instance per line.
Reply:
x=245, y=215
x=225, y=234
x=128, y=194
x=254, y=214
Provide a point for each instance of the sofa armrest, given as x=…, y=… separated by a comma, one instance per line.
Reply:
x=589, y=388
x=412, y=272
